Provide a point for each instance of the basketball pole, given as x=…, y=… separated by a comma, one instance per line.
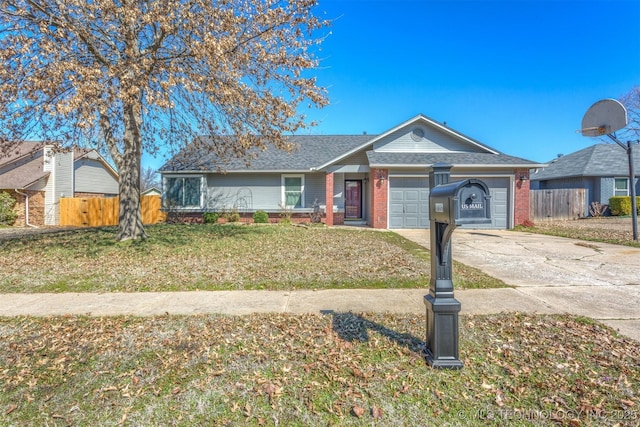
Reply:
x=632, y=184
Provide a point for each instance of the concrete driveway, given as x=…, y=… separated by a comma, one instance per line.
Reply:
x=597, y=280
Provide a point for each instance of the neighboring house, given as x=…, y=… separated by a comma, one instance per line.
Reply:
x=37, y=176
x=379, y=180
x=151, y=191
x=601, y=169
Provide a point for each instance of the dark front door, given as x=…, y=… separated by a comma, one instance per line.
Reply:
x=353, y=199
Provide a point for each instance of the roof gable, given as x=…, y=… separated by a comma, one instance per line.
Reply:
x=424, y=135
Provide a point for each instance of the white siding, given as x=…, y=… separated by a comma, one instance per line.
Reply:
x=62, y=182
x=91, y=176
x=59, y=184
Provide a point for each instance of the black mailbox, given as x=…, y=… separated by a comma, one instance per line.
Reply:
x=460, y=203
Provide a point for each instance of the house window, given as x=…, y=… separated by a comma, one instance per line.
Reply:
x=621, y=187
x=293, y=191
x=183, y=191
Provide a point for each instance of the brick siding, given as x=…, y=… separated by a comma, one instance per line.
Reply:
x=380, y=199
x=521, y=197
x=36, y=208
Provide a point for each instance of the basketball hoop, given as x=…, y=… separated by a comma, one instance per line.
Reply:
x=605, y=117
x=594, y=131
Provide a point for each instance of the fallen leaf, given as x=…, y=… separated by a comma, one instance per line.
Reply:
x=358, y=411
x=377, y=412
x=11, y=408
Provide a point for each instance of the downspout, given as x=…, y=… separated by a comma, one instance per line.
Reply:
x=26, y=204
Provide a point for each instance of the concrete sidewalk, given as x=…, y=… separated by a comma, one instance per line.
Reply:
x=548, y=275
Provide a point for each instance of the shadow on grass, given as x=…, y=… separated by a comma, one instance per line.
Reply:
x=353, y=328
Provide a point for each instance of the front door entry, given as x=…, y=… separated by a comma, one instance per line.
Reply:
x=353, y=199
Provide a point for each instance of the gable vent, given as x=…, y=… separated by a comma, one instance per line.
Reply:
x=417, y=134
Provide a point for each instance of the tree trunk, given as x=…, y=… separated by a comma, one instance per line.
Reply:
x=130, y=218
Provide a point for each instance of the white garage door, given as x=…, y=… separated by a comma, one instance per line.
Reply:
x=409, y=203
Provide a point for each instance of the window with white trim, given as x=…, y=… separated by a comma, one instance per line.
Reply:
x=183, y=191
x=293, y=191
x=621, y=187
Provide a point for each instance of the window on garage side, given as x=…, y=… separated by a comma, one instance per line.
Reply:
x=621, y=187
x=293, y=191
x=183, y=191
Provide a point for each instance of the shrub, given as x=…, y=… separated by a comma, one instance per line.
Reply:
x=597, y=209
x=528, y=224
x=231, y=216
x=285, y=214
x=621, y=205
x=210, y=218
x=316, y=215
x=261, y=217
x=7, y=214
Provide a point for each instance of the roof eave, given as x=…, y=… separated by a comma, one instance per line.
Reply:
x=460, y=165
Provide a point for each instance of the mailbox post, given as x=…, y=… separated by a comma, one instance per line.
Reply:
x=450, y=204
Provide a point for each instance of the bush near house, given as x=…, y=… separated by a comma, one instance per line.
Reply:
x=621, y=205
x=7, y=214
x=210, y=217
x=261, y=217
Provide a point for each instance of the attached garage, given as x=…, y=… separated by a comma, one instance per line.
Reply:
x=409, y=202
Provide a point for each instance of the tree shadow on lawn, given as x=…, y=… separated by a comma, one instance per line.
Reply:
x=354, y=327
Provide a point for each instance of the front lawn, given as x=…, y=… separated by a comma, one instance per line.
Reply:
x=335, y=369
x=611, y=229
x=220, y=257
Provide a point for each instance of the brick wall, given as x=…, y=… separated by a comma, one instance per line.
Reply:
x=89, y=195
x=379, y=201
x=328, y=189
x=36, y=208
x=521, y=197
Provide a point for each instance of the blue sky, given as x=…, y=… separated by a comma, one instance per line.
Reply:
x=516, y=75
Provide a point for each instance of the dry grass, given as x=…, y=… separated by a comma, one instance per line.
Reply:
x=616, y=230
x=215, y=257
x=316, y=370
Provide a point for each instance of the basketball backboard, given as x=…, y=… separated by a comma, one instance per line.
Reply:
x=604, y=118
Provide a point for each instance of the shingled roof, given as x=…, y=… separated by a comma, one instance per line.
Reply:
x=311, y=151
x=596, y=160
x=21, y=165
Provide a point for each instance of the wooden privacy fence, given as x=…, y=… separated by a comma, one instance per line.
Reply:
x=96, y=212
x=562, y=204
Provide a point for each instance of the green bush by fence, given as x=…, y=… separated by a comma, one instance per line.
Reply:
x=7, y=214
x=621, y=205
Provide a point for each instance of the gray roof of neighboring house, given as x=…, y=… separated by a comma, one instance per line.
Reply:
x=23, y=176
x=596, y=160
x=28, y=170
x=312, y=152
x=382, y=159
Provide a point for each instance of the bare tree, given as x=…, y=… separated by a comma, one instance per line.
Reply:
x=136, y=75
x=631, y=101
x=148, y=179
